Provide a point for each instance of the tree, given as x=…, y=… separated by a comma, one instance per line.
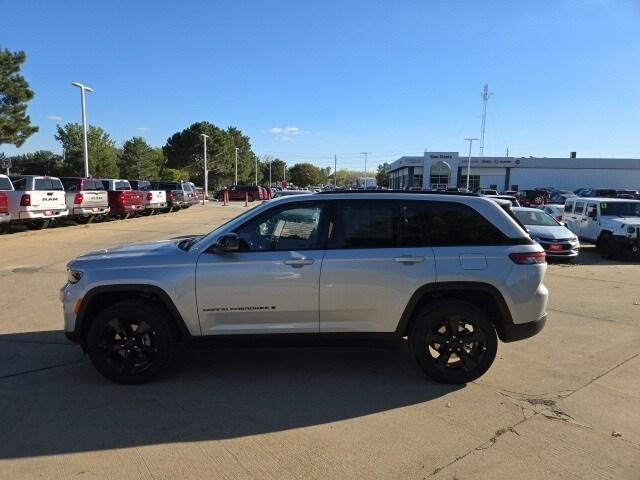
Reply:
x=172, y=175
x=185, y=151
x=277, y=169
x=15, y=124
x=139, y=160
x=347, y=177
x=102, y=151
x=42, y=162
x=382, y=177
x=304, y=174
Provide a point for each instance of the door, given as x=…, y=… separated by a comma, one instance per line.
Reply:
x=589, y=223
x=579, y=216
x=271, y=284
x=371, y=267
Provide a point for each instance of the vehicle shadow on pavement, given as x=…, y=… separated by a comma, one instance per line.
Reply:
x=210, y=393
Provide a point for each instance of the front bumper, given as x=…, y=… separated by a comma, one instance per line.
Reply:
x=71, y=296
x=560, y=248
x=629, y=244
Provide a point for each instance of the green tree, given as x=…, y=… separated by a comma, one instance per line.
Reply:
x=304, y=174
x=173, y=175
x=382, y=177
x=41, y=162
x=15, y=124
x=347, y=177
x=102, y=151
x=277, y=169
x=138, y=160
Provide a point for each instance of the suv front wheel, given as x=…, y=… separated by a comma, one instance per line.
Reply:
x=131, y=341
x=453, y=341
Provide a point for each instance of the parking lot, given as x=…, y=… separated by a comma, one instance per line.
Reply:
x=563, y=404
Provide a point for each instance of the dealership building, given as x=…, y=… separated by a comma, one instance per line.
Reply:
x=448, y=169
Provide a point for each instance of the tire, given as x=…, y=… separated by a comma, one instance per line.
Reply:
x=38, y=225
x=84, y=220
x=453, y=321
x=608, y=247
x=129, y=355
x=4, y=228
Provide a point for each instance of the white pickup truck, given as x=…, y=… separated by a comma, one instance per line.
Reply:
x=36, y=200
x=154, y=200
x=87, y=200
x=5, y=216
x=613, y=224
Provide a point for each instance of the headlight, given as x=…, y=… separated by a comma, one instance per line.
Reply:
x=631, y=230
x=74, y=276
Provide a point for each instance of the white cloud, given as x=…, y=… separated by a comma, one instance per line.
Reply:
x=275, y=130
x=55, y=118
x=143, y=129
x=292, y=130
x=286, y=133
x=286, y=139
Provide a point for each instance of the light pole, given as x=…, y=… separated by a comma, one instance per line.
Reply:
x=236, y=178
x=206, y=169
x=470, y=140
x=256, y=170
x=365, y=167
x=270, y=184
x=84, y=125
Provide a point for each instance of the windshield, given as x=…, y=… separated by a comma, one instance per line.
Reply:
x=531, y=217
x=622, y=209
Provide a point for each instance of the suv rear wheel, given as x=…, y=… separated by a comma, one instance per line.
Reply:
x=453, y=341
x=131, y=341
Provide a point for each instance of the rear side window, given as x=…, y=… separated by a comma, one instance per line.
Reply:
x=69, y=184
x=579, y=208
x=445, y=224
x=568, y=207
x=5, y=183
x=19, y=183
x=47, y=184
x=365, y=224
x=122, y=185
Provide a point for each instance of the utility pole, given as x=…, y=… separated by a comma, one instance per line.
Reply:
x=485, y=97
x=84, y=125
x=335, y=170
x=365, y=167
x=236, y=177
x=206, y=169
x=470, y=140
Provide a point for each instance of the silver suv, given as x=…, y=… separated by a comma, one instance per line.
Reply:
x=450, y=272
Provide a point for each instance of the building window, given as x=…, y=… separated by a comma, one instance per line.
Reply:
x=474, y=182
x=439, y=174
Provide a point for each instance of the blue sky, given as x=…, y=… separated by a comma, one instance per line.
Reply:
x=389, y=77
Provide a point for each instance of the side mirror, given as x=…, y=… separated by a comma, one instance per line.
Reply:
x=227, y=243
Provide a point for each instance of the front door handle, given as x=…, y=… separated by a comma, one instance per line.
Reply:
x=408, y=259
x=299, y=262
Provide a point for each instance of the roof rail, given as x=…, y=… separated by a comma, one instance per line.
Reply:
x=412, y=192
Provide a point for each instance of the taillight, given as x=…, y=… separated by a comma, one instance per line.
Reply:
x=25, y=200
x=121, y=197
x=77, y=199
x=149, y=196
x=529, y=258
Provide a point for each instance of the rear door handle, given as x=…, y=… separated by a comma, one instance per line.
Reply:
x=299, y=262
x=408, y=259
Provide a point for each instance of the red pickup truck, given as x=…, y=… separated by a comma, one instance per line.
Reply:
x=123, y=200
x=4, y=212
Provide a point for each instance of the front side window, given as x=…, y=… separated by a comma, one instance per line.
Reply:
x=294, y=227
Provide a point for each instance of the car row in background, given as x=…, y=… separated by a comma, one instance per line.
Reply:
x=36, y=200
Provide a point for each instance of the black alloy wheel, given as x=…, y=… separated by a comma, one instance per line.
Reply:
x=453, y=342
x=130, y=342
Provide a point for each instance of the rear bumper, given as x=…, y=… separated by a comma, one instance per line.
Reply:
x=512, y=332
x=40, y=215
x=84, y=211
x=127, y=208
x=153, y=206
x=5, y=218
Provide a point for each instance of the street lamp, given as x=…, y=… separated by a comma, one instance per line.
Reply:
x=470, y=140
x=365, y=167
x=206, y=169
x=84, y=125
